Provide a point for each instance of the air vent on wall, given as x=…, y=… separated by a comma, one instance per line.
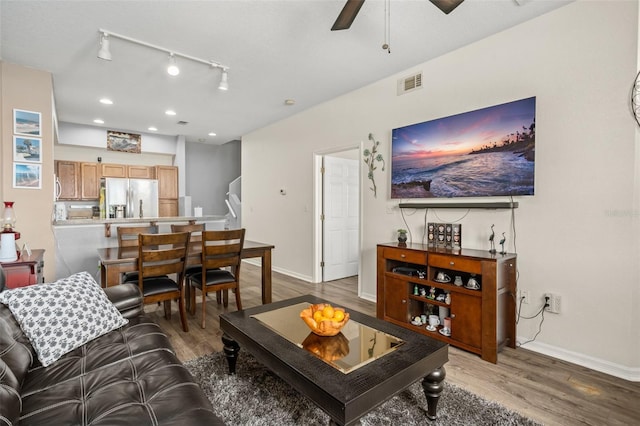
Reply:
x=183, y=123
x=409, y=84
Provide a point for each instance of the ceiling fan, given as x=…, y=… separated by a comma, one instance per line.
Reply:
x=352, y=7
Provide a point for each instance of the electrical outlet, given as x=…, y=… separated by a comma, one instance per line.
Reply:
x=554, y=303
x=524, y=296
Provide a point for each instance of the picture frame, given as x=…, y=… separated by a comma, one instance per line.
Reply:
x=28, y=123
x=27, y=176
x=123, y=142
x=27, y=150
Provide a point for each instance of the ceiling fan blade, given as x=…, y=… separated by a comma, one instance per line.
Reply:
x=446, y=5
x=347, y=15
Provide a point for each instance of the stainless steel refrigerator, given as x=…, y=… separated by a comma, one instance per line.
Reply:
x=134, y=198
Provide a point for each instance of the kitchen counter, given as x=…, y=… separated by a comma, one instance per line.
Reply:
x=138, y=220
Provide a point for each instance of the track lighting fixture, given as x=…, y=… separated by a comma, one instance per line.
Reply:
x=224, y=84
x=104, y=52
x=172, y=69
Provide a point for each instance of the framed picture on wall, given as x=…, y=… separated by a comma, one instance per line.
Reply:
x=27, y=176
x=27, y=149
x=124, y=142
x=27, y=123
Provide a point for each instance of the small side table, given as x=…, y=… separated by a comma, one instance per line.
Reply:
x=25, y=271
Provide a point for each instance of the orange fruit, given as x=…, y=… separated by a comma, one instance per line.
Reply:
x=338, y=315
x=317, y=316
x=328, y=311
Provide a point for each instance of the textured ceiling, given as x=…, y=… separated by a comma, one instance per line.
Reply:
x=275, y=50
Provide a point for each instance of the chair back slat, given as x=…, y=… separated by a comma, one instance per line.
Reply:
x=161, y=254
x=222, y=248
x=195, y=230
x=128, y=235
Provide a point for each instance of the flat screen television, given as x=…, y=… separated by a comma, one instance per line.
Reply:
x=482, y=153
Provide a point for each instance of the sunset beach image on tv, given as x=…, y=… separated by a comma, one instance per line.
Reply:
x=482, y=153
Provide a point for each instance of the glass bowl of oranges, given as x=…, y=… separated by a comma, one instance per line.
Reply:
x=324, y=320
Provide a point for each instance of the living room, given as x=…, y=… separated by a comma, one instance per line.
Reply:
x=577, y=236
x=577, y=228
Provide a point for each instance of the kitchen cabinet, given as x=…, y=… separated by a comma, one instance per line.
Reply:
x=89, y=181
x=114, y=170
x=81, y=181
x=128, y=171
x=67, y=174
x=167, y=190
x=141, y=172
x=415, y=280
x=167, y=208
x=77, y=181
x=167, y=182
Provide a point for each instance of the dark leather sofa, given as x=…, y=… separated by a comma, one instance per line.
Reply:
x=129, y=376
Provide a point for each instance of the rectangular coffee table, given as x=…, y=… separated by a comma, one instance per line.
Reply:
x=346, y=375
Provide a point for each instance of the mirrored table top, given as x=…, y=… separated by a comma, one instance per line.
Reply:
x=355, y=346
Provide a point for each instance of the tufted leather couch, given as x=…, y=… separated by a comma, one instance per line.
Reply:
x=130, y=376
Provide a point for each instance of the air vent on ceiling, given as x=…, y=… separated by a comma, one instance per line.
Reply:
x=183, y=123
x=409, y=84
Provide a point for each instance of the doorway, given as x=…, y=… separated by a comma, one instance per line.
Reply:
x=337, y=228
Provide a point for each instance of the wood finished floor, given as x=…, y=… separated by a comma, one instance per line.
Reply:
x=545, y=389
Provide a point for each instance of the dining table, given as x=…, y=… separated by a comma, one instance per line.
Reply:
x=114, y=261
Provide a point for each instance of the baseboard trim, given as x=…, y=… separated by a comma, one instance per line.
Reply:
x=367, y=296
x=627, y=373
x=258, y=262
x=306, y=278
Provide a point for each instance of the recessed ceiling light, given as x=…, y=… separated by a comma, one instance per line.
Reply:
x=289, y=102
x=170, y=112
x=106, y=101
x=153, y=129
x=212, y=134
x=98, y=121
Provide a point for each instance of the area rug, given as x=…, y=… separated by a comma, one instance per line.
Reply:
x=255, y=396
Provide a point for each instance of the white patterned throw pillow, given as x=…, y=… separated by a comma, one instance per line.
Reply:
x=62, y=316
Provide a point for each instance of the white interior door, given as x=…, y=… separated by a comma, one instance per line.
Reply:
x=340, y=251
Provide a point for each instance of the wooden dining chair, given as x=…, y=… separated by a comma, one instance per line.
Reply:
x=128, y=238
x=159, y=257
x=220, y=249
x=195, y=230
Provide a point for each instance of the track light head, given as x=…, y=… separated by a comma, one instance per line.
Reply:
x=224, y=84
x=104, y=52
x=173, y=69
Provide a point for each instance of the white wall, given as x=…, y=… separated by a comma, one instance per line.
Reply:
x=577, y=236
x=210, y=170
x=77, y=142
